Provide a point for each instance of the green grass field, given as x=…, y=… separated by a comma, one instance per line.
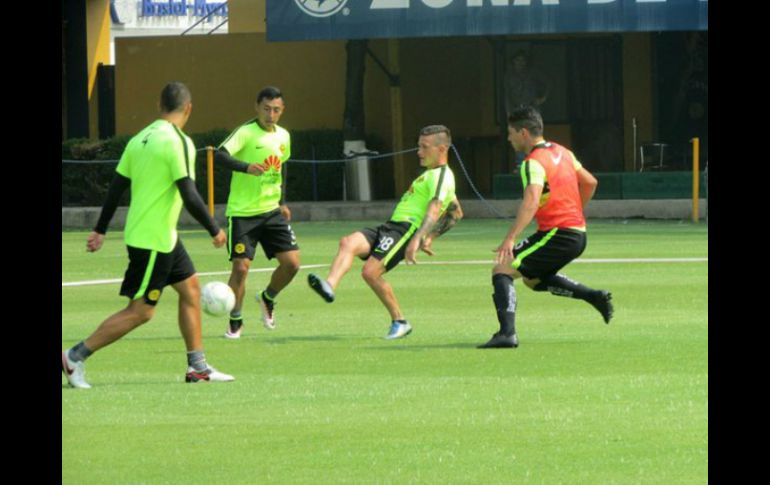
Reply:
x=324, y=399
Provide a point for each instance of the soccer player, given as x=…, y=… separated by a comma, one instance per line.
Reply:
x=430, y=201
x=556, y=188
x=255, y=208
x=158, y=165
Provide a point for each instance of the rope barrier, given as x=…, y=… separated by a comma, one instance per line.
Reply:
x=489, y=206
x=293, y=160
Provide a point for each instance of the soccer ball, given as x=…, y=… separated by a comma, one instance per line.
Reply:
x=217, y=298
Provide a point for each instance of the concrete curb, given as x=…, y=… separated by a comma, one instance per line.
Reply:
x=85, y=218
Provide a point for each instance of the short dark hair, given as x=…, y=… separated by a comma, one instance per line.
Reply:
x=436, y=130
x=174, y=96
x=269, y=92
x=526, y=117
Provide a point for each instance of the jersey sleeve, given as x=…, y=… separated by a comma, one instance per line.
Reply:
x=532, y=173
x=178, y=158
x=124, y=167
x=234, y=142
x=440, y=184
x=192, y=156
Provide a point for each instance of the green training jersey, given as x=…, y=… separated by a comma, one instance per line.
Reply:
x=437, y=183
x=250, y=195
x=154, y=160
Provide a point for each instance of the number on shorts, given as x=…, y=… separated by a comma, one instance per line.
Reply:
x=386, y=242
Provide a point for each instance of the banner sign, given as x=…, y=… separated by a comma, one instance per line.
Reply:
x=368, y=19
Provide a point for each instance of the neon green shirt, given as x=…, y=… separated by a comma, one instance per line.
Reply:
x=435, y=183
x=250, y=195
x=154, y=160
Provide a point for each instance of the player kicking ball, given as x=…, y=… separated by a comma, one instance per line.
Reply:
x=428, y=209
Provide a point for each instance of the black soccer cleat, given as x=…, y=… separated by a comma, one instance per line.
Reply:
x=501, y=341
x=321, y=286
x=234, y=332
x=267, y=308
x=603, y=303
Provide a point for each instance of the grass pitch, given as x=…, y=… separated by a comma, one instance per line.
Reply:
x=324, y=399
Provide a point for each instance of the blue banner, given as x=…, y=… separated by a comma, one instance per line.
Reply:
x=369, y=19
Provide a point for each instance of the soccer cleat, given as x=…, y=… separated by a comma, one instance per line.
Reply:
x=603, y=303
x=74, y=371
x=267, y=307
x=208, y=375
x=234, y=332
x=501, y=341
x=398, y=330
x=321, y=286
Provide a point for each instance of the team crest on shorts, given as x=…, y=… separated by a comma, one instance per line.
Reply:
x=153, y=295
x=240, y=247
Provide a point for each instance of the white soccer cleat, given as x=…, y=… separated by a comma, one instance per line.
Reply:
x=398, y=330
x=234, y=330
x=209, y=375
x=74, y=371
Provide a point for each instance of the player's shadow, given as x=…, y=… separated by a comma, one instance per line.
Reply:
x=304, y=338
x=105, y=385
x=422, y=348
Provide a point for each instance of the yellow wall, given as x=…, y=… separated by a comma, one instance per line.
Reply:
x=98, y=42
x=637, y=93
x=224, y=73
x=246, y=16
x=446, y=80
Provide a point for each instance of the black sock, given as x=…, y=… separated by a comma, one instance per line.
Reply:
x=79, y=352
x=560, y=285
x=505, y=303
x=236, y=321
x=270, y=293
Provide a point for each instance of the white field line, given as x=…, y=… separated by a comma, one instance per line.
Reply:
x=441, y=263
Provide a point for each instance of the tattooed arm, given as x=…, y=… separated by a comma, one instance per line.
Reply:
x=446, y=222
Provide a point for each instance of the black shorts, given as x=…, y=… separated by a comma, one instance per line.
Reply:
x=150, y=271
x=544, y=253
x=389, y=241
x=271, y=230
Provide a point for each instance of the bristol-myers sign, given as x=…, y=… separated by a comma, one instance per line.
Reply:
x=357, y=19
x=131, y=16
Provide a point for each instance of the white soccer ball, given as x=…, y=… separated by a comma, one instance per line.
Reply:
x=217, y=298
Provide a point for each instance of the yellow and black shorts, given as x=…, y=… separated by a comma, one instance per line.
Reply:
x=271, y=230
x=389, y=241
x=546, y=252
x=150, y=271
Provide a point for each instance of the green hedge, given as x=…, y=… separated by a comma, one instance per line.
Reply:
x=86, y=184
x=661, y=185
x=615, y=186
